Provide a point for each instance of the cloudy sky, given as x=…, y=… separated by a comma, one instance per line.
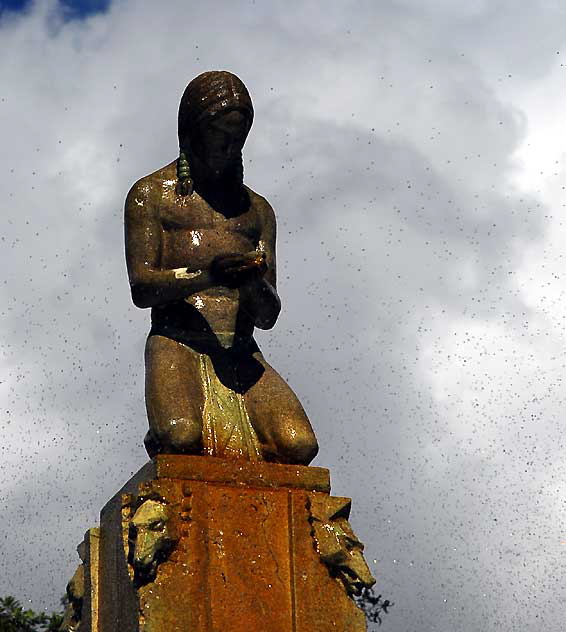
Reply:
x=412, y=150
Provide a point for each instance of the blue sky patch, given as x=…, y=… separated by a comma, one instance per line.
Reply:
x=71, y=8
x=14, y=5
x=84, y=8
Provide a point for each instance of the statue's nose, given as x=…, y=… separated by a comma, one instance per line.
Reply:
x=142, y=553
x=361, y=569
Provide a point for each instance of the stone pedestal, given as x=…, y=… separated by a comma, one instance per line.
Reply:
x=201, y=544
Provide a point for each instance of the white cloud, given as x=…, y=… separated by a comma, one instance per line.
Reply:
x=420, y=328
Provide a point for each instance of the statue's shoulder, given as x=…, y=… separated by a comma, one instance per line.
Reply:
x=147, y=188
x=258, y=202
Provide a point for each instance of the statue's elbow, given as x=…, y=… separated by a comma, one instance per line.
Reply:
x=268, y=320
x=140, y=296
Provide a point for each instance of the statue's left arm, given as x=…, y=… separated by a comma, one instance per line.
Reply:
x=259, y=295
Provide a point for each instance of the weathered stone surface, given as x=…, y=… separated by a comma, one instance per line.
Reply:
x=221, y=545
x=92, y=568
x=81, y=612
x=240, y=473
x=338, y=546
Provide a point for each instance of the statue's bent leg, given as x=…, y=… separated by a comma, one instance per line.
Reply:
x=279, y=420
x=173, y=397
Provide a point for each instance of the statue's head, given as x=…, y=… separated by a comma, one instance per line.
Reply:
x=344, y=554
x=215, y=116
x=338, y=546
x=151, y=539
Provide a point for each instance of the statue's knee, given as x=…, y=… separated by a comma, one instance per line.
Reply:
x=180, y=436
x=309, y=449
x=151, y=444
x=298, y=445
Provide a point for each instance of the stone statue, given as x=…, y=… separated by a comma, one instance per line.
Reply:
x=151, y=538
x=75, y=596
x=251, y=539
x=337, y=544
x=200, y=249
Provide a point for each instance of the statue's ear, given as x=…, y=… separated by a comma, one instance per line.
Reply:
x=328, y=508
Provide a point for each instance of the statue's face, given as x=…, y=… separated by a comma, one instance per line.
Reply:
x=218, y=140
x=150, y=538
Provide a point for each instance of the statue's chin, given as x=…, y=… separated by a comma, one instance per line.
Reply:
x=353, y=587
x=219, y=171
x=146, y=572
x=352, y=581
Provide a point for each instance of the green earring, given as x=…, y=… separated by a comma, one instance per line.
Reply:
x=185, y=184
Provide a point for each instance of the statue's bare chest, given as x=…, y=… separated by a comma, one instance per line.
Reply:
x=192, y=212
x=192, y=229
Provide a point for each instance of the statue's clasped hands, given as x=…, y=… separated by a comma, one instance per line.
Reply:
x=234, y=270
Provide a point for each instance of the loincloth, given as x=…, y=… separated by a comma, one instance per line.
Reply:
x=226, y=373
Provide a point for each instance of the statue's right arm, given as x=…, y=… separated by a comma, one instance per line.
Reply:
x=150, y=284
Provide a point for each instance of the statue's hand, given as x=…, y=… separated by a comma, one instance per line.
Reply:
x=233, y=270
x=259, y=260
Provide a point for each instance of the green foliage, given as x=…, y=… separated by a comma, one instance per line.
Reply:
x=13, y=618
x=372, y=605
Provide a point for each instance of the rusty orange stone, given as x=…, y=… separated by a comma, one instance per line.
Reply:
x=243, y=556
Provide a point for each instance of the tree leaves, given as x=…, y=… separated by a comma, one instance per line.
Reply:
x=13, y=618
